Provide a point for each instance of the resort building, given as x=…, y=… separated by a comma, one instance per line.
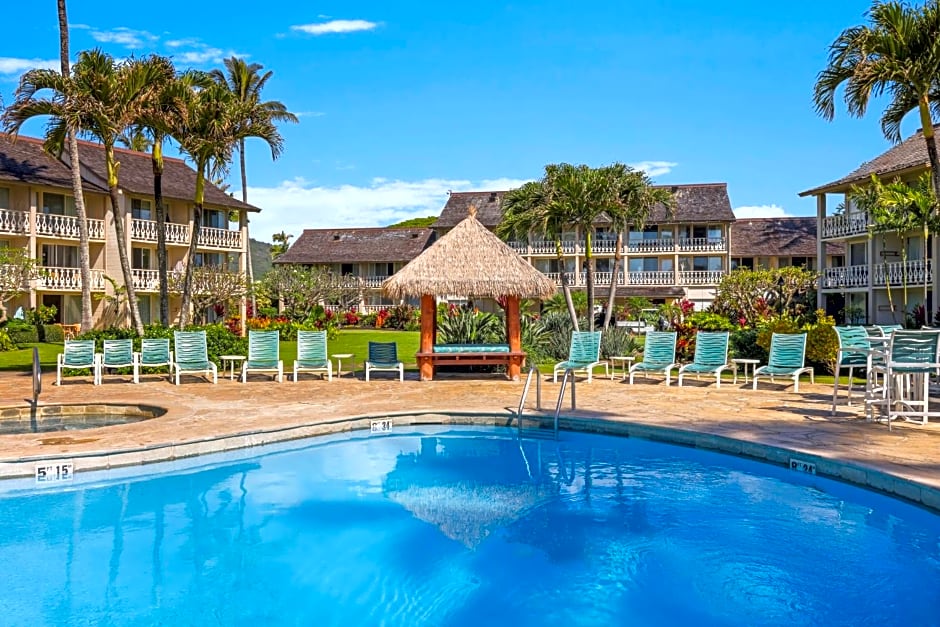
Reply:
x=368, y=255
x=779, y=243
x=37, y=212
x=876, y=266
x=675, y=256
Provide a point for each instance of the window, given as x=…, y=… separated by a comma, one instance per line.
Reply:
x=58, y=204
x=59, y=256
x=714, y=232
x=603, y=265
x=742, y=262
x=801, y=262
x=214, y=260
x=700, y=264
x=858, y=254
x=140, y=209
x=215, y=219
x=647, y=233
x=4, y=198
x=605, y=235
x=346, y=268
x=383, y=269
x=141, y=258
x=71, y=309
x=644, y=264
x=145, y=307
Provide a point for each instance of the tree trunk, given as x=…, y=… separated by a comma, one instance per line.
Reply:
x=565, y=288
x=193, y=241
x=927, y=317
x=930, y=139
x=589, y=259
x=120, y=232
x=251, y=271
x=84, y=261
x=156, y=160
x=612, y=294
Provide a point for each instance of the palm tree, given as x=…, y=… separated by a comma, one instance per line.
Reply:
x=633, y=198
x=898, y=53
x=246, y=82
x=99, y=99
x=211, y=125
x=527, y=211
x=84, y=259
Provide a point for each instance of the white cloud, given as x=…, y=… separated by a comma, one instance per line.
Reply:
x=335, y=26
x=295, y=205
x=179, y=43
x=309, y=114
x=127, y=37
x=12, y=65
x=198, y=57
x=760, y=211
x=654, y=168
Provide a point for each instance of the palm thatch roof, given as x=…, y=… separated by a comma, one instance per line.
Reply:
x=469, y=260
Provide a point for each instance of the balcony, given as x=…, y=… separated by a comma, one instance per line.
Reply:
x=700, y=277
x=703, y=245
x=372, y=281
x=14, y=222
x=834, y=227
x=146, y=280
x=690, y=278
x=55, y=225
x=916, y=272
x=642, y=246
x=146, y=231
x=68, y=279
x=219, y=238
x=845, y=277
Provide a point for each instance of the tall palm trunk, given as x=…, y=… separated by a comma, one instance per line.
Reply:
x=565, y=288
x=251, y=271
x=926, y=274
x=120, y=232
x=156, y=160
x=589, y=259
x=84, y=261
x=612, y=293
x=193, y=240
x=926, y=123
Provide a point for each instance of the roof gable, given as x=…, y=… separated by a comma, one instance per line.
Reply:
x=381, y=245
x=23, y=160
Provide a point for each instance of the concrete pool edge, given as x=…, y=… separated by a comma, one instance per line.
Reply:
x=851, y=472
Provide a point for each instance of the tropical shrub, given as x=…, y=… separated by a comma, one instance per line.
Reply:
x=558, y=329
x=822, y=342
x=710, y=321
x=535, y=339
x=751, y=296
x=743, y=344
x=6, y=344
x=403, y=318
x=617, y=341
x=21, y=332
x=778, y=324
x=53, y=333
x=43, y=314
x=470, y=327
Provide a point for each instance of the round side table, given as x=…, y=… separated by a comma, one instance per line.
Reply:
x=625, y=362
x=745, y=363
x=339, y=357
x=231, y=359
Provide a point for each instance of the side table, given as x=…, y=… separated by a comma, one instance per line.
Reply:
x=339, y=357
x=745, y=363
x=625, y=362
x=232, y=360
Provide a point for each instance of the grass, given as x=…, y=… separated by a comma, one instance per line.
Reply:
x=22, y=358
x=356, y=341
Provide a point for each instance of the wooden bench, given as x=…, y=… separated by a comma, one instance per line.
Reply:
x=469, y=355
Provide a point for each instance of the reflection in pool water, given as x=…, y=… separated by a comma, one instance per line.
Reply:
x=467, y=527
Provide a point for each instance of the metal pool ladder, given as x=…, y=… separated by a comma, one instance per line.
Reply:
x=535, y=373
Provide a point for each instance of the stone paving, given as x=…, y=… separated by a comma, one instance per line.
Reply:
x=196, y=410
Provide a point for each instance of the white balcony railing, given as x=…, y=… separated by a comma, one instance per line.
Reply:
x=55, y=225
x=520, y=247
x=703, y=244
x=700, y=277
x=146, y=280
x=146, y=230
x=373, y=281
x=68, y=279
x=16, y=222
x=219, y=238
x=543, y=247
x=845, y=225
x=846, y=276
x=661, y=245
x=661, y=277
x=604, y=246
x=917, y=272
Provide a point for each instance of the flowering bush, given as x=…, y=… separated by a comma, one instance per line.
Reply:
x=351, y=318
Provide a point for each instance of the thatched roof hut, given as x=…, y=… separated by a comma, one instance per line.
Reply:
x=470, y=260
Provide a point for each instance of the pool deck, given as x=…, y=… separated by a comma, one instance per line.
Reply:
x=198, y=411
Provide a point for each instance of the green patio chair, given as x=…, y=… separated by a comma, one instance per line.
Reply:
x=912, y=357
x=787, y=359
x=264, y=354
x=118, y=354
x=155, y=353
x=711, y=356
x=78, y=354
x=854, y=352
x=384, y=356
x=192, y=355
x=583, y=354
x=311, y=354
x=659, y=355
x=888, y=329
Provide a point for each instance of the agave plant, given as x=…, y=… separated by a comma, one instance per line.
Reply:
x=469, y=327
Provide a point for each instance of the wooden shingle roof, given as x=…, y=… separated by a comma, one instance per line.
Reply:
x=705, y=202
x=777, y=237
x=910, y=155
x=24, y=161
x=380, y=245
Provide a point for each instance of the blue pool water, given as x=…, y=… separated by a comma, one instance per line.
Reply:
x=448, y=527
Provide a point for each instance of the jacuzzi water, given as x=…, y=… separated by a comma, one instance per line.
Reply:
x=65, y=422
x=464, y=527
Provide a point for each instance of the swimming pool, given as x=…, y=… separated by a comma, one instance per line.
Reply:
x=464, y=526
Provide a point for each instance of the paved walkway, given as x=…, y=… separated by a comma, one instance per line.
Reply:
x=198, y=410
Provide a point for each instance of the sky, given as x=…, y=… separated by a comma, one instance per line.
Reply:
x=400, y=102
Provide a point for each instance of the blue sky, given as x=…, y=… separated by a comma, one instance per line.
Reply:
x=402, y=101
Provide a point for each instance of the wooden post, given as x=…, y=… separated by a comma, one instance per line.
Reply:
x=513, y=336
x=428, y=331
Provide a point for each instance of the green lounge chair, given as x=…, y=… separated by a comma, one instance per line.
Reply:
x=155, y=353
x=192, y=355
x=854, y=352
x=888, y=329
x=118, y=354
x=264, y=354
x=913, y=356
x=384, y=356
x=787, y=359
x=583, y=355
x=78, y=354
x=659, y=355
x=311, y=354
x=711, y=356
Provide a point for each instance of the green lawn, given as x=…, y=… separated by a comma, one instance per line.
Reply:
x=22, y=359
x=356, y=341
